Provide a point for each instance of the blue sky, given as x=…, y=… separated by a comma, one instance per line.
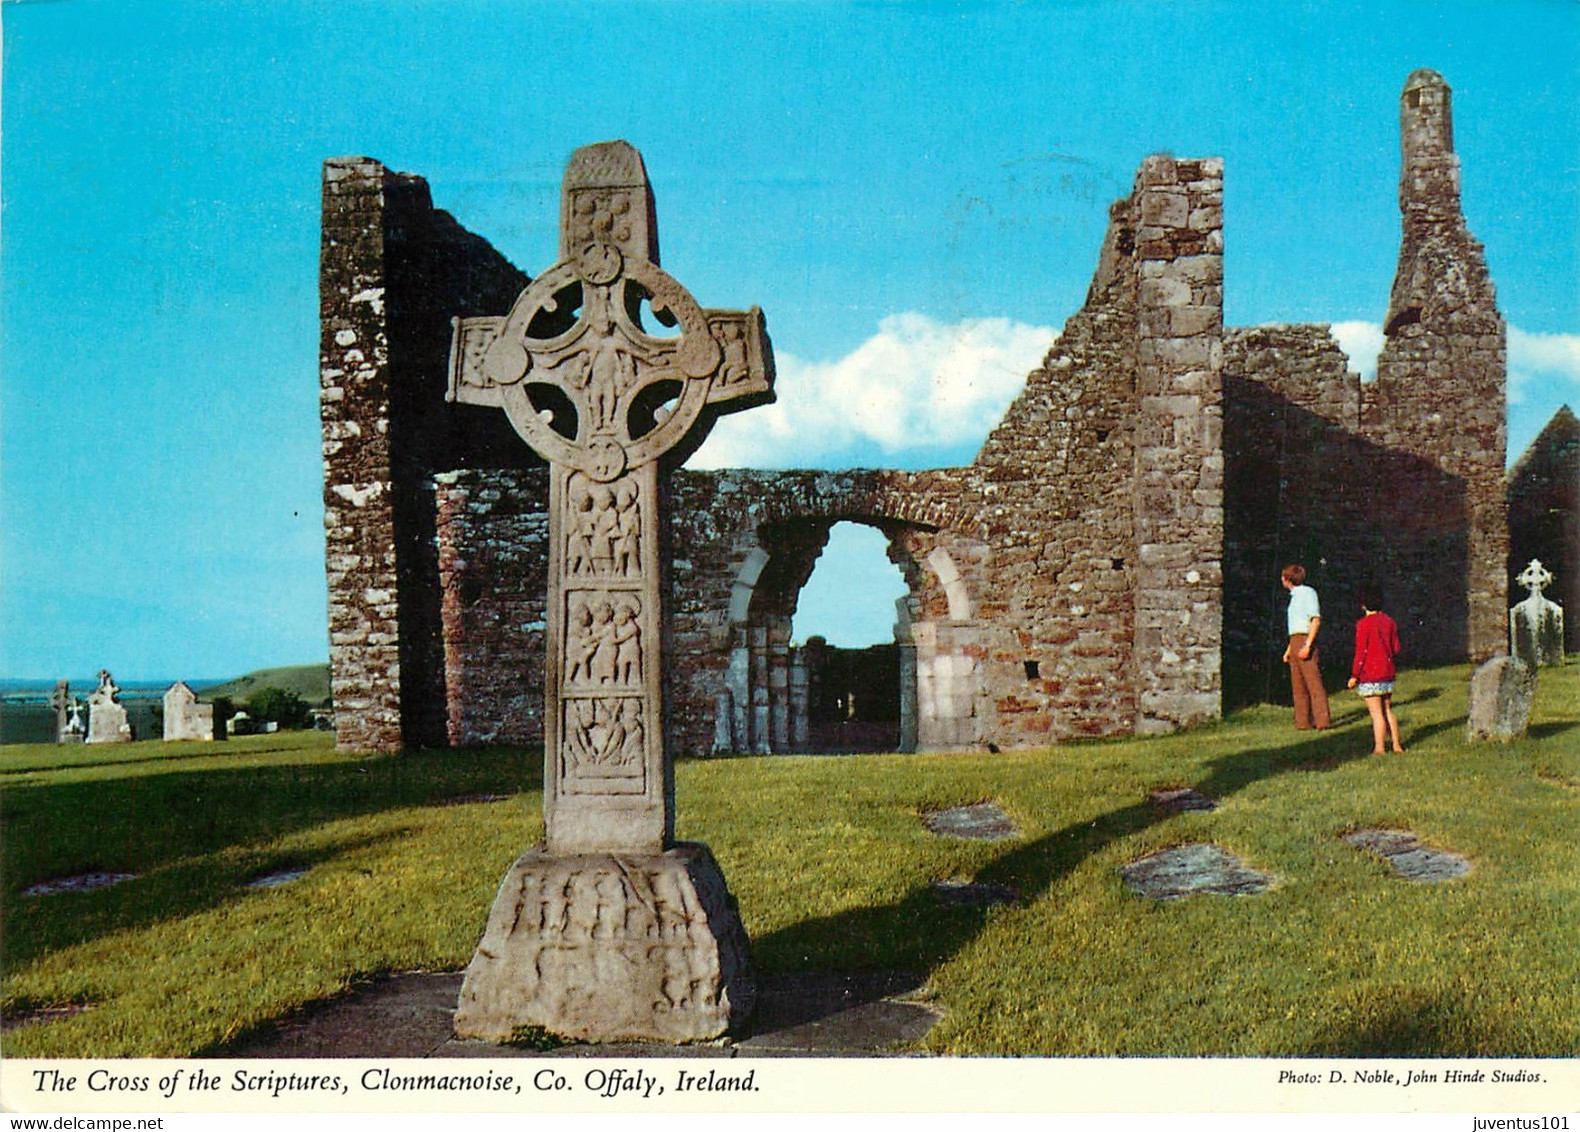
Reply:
x=892, y=183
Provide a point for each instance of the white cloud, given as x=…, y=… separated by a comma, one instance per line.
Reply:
x=1362, y=341
x=1544, y=365
x=923, y=393
x=917, y=390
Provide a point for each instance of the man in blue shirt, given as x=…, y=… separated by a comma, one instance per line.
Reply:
x=1305, y=677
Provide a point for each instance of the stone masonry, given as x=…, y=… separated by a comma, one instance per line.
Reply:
x=1108, y=564
x=393, y=272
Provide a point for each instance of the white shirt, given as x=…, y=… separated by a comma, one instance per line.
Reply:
x=1302, y=608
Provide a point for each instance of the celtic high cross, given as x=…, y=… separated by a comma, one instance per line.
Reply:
x=604, y=396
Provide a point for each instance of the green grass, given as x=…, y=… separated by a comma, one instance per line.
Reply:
x=310, y=681
x=831, y=867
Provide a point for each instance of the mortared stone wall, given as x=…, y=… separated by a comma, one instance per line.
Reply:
x=1107, y=565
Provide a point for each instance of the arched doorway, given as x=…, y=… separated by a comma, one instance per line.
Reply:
x=851, y=646
x=826, y=687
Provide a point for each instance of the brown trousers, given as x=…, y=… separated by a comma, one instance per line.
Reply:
x=1305, y=678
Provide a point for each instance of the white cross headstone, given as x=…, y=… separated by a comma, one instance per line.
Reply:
x=1536, y=625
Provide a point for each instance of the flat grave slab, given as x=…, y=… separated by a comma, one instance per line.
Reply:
x=1408, y=857
x=1179, y=800
x=84, y=882
x=981, y=821
x=43, y=1015
x=976, y=894
x=1186, y=870
x=276, y=879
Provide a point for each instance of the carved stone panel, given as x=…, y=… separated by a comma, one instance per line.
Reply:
x=604, y=747
x=605, y=947
x=604, y=528
x=603, y=643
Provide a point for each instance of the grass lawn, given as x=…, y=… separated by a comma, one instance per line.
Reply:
x=832, y=868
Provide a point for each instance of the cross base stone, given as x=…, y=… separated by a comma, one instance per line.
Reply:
x=605, y=947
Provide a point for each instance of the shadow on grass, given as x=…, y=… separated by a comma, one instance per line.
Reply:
x=168, y=763
x=920, y=932
x=39, y=925
x=1548, y=730
x=166, y=826
x=1399, y=1021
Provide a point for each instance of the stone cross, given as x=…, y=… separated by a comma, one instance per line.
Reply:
x=603, y=396
x=1536, y=625
x=60, y=700
x=606, y=367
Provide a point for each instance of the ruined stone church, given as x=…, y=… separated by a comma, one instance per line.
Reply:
x=1106, y=566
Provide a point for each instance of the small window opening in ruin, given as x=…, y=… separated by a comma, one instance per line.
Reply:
x=1033, y=669
x=1102, y=435
x=1413, y=99
x=1407, y=317
x=471, y=591
x=1117, y=563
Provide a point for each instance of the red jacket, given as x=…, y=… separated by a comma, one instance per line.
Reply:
x=1376, y=644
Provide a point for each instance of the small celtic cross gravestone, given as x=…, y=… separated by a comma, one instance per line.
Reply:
x=612, y=931
x=60, y=700
x=1536, y=625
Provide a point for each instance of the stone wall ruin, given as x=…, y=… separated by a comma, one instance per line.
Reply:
x=1107, y=565
x=1544, y=513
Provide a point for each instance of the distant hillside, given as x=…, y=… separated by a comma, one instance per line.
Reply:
x=310, y=681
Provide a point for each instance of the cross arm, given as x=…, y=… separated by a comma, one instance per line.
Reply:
x=471, y=381
x=745, y=377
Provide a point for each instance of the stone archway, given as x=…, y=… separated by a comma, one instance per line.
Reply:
x=744, y=543
x=778, y=694
x=775, y=697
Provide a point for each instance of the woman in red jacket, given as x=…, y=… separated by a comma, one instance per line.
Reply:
x=1376, y=644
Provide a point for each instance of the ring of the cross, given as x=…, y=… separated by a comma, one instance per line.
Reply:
x=603, y=362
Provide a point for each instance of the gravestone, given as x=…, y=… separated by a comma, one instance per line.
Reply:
x=1536, y=625
x=1179, y=800
x=979, y=821
x=107, y=722
x=68, y=714
x=611, y=930
x=1185, y=870
x=185, y=718
x=1408, y=857
x=1501, y=692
